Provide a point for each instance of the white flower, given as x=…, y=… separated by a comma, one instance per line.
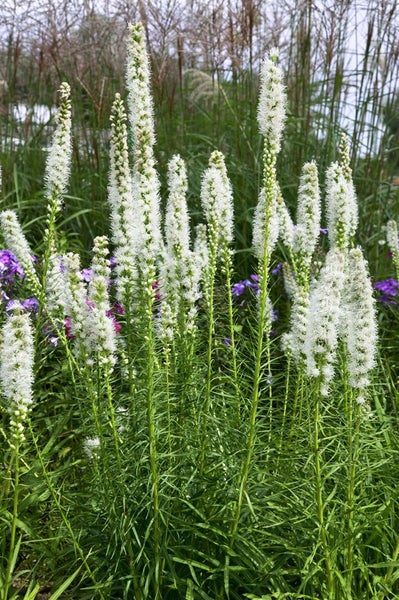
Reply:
x=286, y=226
x=177, y=228
x=360, y=326
x=294, y=341
x=120, y=196
x=341, y=207
x=16, y=369
x=272, y=102
x=100, y=330
x=323, y=319
x=265, y=224
x=217, y=202
x=16, y=241
x=308, y=215
x=145, y=179
x=55, y=284
x=59, y=157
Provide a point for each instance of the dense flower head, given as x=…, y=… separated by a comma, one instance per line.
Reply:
x=59, y=157
x=124, y=224
x=341, y=206
x=360, y=326
x=17, y=243
x=266, y=220
x=323, y=317
x=272, y=102
x=177, y=227
x=308, y=216
x=16, y=370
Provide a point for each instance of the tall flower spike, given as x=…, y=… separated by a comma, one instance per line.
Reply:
x=393, y=243
x=177, y=230
x=145, y=178
x=120, y=198
x=323, y=319
x=341, y=211
x=345, y=162
x=286, y=228
x=217, y=202
x=272, y=102
x=308, y=214
x=16, y=241
x=259, y=224
x=76, y=299
x=16, y=370
x=360, y=323
x=226, y=216
x=100, y=327
x=59, y=157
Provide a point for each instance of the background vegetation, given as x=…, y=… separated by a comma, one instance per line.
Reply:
x=341, y=64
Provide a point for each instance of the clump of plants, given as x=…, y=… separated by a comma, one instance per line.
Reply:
x=159, y=439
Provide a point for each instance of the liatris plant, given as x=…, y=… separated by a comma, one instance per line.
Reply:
x=16, y=377
x=178, y=453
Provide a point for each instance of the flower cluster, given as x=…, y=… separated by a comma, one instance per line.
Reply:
x=16, y=371
x=252, y=284
x=388, y=289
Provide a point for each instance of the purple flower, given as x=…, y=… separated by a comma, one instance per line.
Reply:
x=31, y=304
x=9, y=266
x=277, y=269
x=238, y=289
x=87, y=275
x=323, y=230
x=252, y=284
x=388, y=288
x=227, y=341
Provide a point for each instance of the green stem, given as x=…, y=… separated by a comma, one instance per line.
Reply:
x=150, y=368
x=13, y=532
x=319, y=496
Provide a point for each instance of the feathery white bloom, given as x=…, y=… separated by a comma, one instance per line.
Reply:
x=177, y=229
x=393, y=242
x=323, y=319
x=201, y=252
x=286, y=226
x=226, y=216
x=16, y=369
x=120, y=197
x=217, y=202
x=76, y=298
x=294, y=340
x=341, y=207
x=360, y=326
x=55, y=284
x=60, y=153
x=308, y=215
x=145, y=178
x=100, y=328
x=344, y=161
x=272, y=102
x=265, y=222
x=16, y=241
